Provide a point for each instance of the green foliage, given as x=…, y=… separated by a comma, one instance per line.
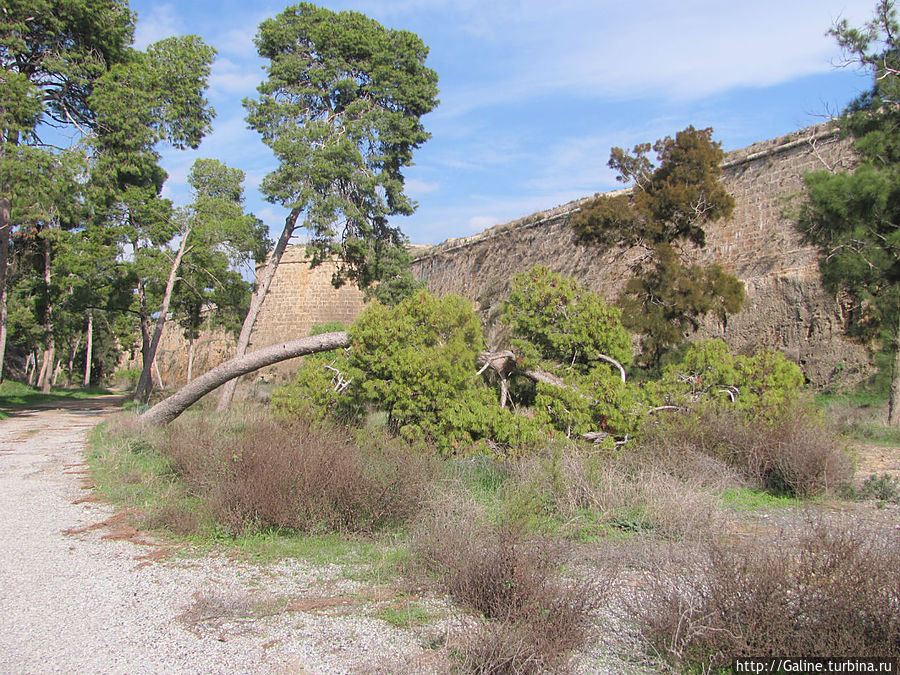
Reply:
x=668, y=203
x=854, y=218
x=417, y=362
x=564, y=329
x=885, y=488
x=667, y=207
x=341, y=110
x=552, y=319
x=761, y=384
x=668, y=299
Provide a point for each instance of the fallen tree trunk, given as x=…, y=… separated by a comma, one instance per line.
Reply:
x=168, y=409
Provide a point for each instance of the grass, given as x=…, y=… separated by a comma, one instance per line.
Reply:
x=15, y=395
x=405, y=613
x=511, y=541
x=749, y=499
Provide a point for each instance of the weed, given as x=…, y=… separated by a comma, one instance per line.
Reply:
x=885, y=488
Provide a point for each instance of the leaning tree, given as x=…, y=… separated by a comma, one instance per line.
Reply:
x=341, y=109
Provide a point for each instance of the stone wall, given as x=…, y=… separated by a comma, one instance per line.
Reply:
x=786, y=306
x=299, y=298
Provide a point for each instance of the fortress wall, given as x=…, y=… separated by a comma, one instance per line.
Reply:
x=786, y=306
x=299, y=298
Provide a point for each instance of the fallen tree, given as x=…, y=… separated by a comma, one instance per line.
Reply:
x=168, y=409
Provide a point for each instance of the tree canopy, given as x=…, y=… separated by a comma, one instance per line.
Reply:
x=854, y=217
x=341, y=109
x=664, y=210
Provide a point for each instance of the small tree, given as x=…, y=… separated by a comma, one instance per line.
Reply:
x=570, y=333
x=341, y=110
x=854, y=218
x=666, y=209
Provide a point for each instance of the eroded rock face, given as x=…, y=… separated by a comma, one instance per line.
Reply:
x=787, y=308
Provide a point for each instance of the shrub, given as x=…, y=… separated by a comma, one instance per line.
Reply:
x=303, y=476
x=759, y=385
x=884, y=488
x=532, y=618
x=791, y=453
x=836, y=593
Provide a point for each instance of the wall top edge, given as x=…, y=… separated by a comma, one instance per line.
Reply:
x=733, y=158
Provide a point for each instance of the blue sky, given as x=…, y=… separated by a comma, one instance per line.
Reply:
x=535, y=93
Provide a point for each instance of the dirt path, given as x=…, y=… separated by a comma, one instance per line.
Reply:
x=73, y=599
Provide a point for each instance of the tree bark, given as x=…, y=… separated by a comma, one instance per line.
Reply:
x=259, y=295
x=167, y=410
x=40, y=378
x=3, y=321
x=894, y=401
x=190, y=363
x=72, y=360
x=89, y=348
x=50, y=349
x=143, y=389
x=5, y=234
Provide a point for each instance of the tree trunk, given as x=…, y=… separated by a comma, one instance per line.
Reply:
x=50, y=350
x=5, y=234
x=159, y=380
x=89, y=348
x=3, y=318
x=190, y=364
x=56, y=371
x=29, y=366
x=894, y=401
x=143, y=389
x=72, y=360
x=43, y=370
x=290, y=224
x=167, y=410
x=145, y=343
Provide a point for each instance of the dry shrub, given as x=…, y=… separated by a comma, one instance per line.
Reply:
x=533, y=618
x=833, y=592
x=260, y=474
x=793, y=453
x=632, y=490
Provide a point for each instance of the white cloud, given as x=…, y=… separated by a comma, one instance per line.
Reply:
x=679, y=51
x=417, y=186
x=481, y=223
x=228, y=78
x=159, y=23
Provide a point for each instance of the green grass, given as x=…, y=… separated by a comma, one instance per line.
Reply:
x=748, y=499
x=128, y=471
x=410, y=613
x=15, y=395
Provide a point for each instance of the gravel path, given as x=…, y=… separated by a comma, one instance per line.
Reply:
x=73, y=599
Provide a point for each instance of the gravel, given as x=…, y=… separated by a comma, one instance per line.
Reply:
x=72, y=599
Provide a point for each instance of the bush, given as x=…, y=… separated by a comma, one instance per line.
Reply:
x=303, y=476
x=531, y=618
x=835, y=594
x=791, y=453
x=759, y=385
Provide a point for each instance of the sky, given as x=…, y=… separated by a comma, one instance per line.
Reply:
x=534, y=94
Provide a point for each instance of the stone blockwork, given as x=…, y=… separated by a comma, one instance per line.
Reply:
x=786, y=307
x=211, y=348
x=299, y=298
